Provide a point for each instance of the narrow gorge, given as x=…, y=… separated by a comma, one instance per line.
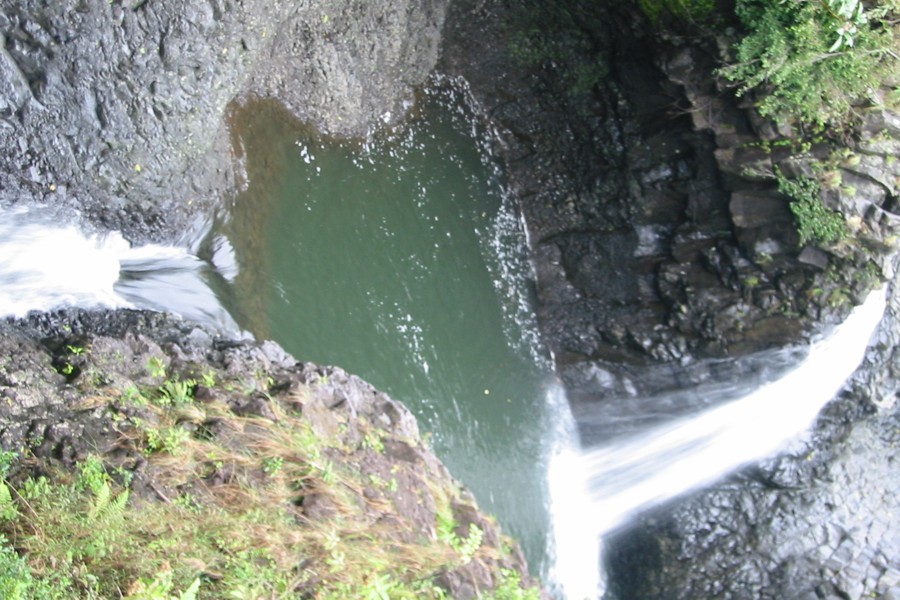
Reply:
x=538, y=228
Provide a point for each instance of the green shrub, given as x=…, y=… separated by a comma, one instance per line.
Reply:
x=815, y=222
x=815, y=60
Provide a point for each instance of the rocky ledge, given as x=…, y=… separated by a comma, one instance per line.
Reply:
x=164, y=457
x=141, y=451
x=116, y=109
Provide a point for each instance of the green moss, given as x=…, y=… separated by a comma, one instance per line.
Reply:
x=685, y=10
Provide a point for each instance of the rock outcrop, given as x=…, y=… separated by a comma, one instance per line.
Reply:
x=651, y=197
x=117, y=109
x=114, y=115
x=178, y=416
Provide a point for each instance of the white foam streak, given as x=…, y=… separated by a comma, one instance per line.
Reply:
x=43, y=267
x=573, y=548
x=673, y=459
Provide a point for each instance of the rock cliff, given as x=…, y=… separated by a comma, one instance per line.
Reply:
x=143, y=428
x=662, y=238
x=117, y=109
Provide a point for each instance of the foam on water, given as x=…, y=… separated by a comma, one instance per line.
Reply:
x=47, y=265
x=573, y=548
x=596, y=491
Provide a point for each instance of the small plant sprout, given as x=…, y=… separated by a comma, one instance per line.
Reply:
x=373, y=441
x=272, y=465
x=156, y=367
x=209, y=379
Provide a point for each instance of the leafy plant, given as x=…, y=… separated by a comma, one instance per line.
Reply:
x=467, y=546
x=814, y=60
x=176, y=391
x=8, y=509
x=372, y=440
x=272, y=464
x=17, y=581
x=168, y=439
x=7, y=458
x=209, y=379
x=510, y=588
x=815, y=222
x=156, y=367
x=162, y=587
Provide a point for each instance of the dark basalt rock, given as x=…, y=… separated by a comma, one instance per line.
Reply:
x=116, y=110
x=657, y=231
x=817, y=522
x=659, y=237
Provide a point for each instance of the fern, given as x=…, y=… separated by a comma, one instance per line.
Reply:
x=469, y=546
x=8, y=509
x=102, y=495
x=791, y=57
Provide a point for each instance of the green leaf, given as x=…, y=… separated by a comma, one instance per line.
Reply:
x=8, y=509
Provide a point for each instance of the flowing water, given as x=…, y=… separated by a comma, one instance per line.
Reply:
x=48, y=261
x=675, y=458
x=401, y=259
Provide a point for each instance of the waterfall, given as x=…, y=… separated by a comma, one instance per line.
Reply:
x=573, y=548
x=47, y=263
x=597, y=490
x=678, y=457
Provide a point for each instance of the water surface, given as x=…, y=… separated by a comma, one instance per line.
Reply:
x=398, y=259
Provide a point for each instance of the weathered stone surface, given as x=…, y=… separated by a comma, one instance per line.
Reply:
x=758, y=209
x=117, y=111
x=724, y=275
x=813, y=257
x=58, y=421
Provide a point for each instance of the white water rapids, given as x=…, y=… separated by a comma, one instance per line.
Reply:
x=46, y=264
x=598, y=490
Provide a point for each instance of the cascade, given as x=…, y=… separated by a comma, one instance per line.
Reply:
x=598, y=490
x=47, y=263
x=679, y=457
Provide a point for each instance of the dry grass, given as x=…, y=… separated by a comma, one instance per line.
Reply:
x=223, y=500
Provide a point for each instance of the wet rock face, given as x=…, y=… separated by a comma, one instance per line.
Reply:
x=116, y=108
x=634, y=243
x=657, y=229
x=659, y=237
x=818, y=522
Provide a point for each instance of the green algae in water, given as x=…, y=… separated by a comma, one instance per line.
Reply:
x=399, y=260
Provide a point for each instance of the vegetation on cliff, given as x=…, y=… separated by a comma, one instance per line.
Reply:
x=225, y=473
x=816, y=60
x=812, y=61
